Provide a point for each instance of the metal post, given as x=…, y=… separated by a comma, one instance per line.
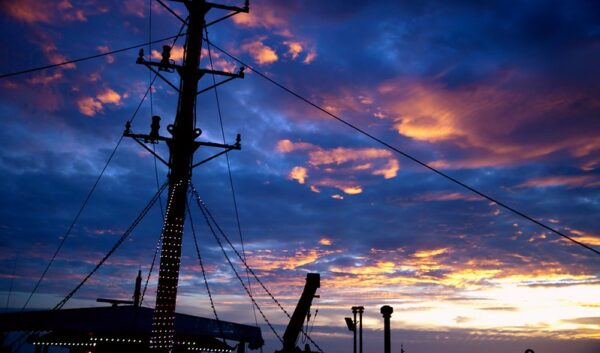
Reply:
x=354, y=311
x=361, y=309
x=387, y=311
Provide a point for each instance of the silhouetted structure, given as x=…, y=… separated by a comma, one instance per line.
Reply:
x=182, y=146
x=290, y=337
x=125, y=328
x=387, y=311
x=358, y=310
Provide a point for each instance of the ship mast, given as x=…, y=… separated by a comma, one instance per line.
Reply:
x=182, y=145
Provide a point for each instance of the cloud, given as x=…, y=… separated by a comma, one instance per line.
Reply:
x=332, y=167
x=294, y=49
x=109, y=96
x=264, y=17
x=105, y=49
x=298, y=173
x=486, y=121
x=44, y=79
x=32, y=12
x=177, y=52
x=588, y=321
x=260, y=52
x=570, y=181
x=325, y=241
x=585, y=237
x=91, y=106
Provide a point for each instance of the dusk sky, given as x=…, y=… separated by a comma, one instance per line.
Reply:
x=504, y=96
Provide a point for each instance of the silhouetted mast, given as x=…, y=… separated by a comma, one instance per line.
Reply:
x=182, y=146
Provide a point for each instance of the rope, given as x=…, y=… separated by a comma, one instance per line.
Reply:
x=114, y=248
x=234, y=198
x=407, y=155
x=158, y=247
x=204, y=213
x=12, y=280
x=39, y=68
x=212, y=303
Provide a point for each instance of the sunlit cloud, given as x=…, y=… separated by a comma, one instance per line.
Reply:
x=327, y=163
x=299, y=174
x=261, y=53
x=325, y=241
x=91, y=106
x=176, y=52
x=294, y=49
x=266, y=18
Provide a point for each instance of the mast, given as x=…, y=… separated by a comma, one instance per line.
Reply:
x=182, y=145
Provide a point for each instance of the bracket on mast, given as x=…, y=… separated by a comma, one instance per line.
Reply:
x=226, y=147
x=154, y=138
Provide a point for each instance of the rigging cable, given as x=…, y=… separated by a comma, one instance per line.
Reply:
x=206, y=211
x=85, y=202
x=116, y=51
x=235, y=205
x=158, y=247
x=12, y=280
x=212, y=303
x=409, y=156
x=123, y=237
x=208, y=222
x=114, y=248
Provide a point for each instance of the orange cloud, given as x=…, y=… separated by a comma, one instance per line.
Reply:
x=91, y=106
x=390, y=170
x=585, y=237
x=430, y=253
x=377, y=161
x=287, y=146
x=109, y=96
x=260, y=52
x=298, y=173
x=294, y=49
x=325, y=241
x=486, y=118
x=176, y=53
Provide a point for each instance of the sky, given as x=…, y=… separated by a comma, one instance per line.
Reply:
x=503, y=96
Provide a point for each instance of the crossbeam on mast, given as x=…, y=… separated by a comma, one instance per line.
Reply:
x=182, y=146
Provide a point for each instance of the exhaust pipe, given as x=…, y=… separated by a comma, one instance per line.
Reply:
x=387, y=311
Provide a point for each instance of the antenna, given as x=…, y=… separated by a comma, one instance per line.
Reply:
x=182, y=145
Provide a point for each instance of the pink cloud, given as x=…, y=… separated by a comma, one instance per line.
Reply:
x=332, y=167
x=31, y=12
x=570, y=181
